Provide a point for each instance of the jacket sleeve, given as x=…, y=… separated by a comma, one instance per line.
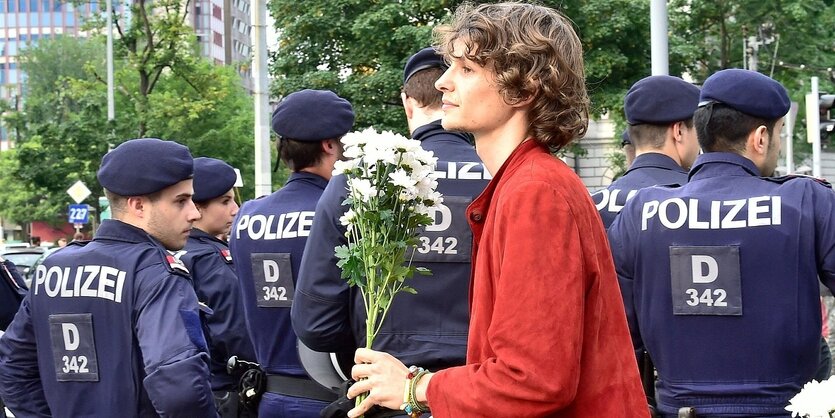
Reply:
x=536, y=325
x=20, y=382
x=174, y=351
x=619, y=240
x=217, y=286
x=824, y=204
x=321, y=313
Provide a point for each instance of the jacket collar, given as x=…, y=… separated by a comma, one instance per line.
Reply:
x=305, y=177
x=201, y=235
x=117, y=230
x=714, y=164
x=655, y=160
x=434, y=128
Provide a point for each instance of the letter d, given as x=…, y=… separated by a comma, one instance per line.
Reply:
x=712, y=268
x=270, y=271
x=70, y=336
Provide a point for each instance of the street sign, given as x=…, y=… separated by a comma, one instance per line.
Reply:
x=78, y=191
x=78, y=214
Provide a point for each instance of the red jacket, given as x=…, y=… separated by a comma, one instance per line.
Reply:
x=548, y=334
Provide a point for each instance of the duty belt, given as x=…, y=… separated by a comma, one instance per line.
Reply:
x=299, y=387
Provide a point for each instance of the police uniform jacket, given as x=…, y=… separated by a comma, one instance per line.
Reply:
x=210, y=263
x=548, y=337
x=650, y=169
x=267, y=243
x=12, y=291
x=428, y=329
x=720, y=283
x=110, y=328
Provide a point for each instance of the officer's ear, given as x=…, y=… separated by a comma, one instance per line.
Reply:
x=135, y=205
x=408, y=105
x=758, y=140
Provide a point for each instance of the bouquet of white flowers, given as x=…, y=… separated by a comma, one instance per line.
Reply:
x=815, y=400
x=391, y=192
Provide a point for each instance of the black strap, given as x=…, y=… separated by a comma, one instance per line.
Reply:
x=299, y=387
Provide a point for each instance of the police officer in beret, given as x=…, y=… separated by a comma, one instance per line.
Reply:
x=720, y=276
x=210, y=262
x=429, y=328
x=659, y=110
x=268, y=238
x=112, y=326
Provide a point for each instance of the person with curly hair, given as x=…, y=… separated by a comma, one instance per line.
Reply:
x=548, y=334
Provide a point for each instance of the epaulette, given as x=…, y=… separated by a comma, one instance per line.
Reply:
x=783, y=179
x=174, y=263
x=226, y=255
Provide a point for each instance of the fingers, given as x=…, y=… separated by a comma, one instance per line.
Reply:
x=365, y=355
x=360, y=409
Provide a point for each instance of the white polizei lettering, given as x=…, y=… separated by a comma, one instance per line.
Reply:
x=776, y=210
x=452, y=171
x=740, y=213
x=40, y=275
x=102, y=282
x=728, y=221
x=252, y=221
x=288, y=229
x=53, y=271
x=65, y=291
x=649, y=210
x=715, y=214
x=465, y=174
x=693, y=217
x=712, y=268
x=305, y=223
x=242, y=224
x=613, y=205
x=605, y=198
x=71, y=334
x=682, y=213
x=755, y=208
x=271, y=272
x=87, y=288
x=270, y=233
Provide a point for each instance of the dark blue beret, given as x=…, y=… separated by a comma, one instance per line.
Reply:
x=424, y=59
x=144, y=166
x=747, y=91
x=660, y=99
x=313, y=115
x=212, y=178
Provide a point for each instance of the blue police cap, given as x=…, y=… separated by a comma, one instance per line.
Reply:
x=212, y=178
x=660, y=99
x=747, y=91
x=313, y=115
x=144, y=166
x=424, y=59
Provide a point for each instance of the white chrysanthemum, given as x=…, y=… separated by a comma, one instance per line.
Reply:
x=815, y=400
x=362, y=188
x=422, y=209
x=426, y=186
x=348, y=218
x=435, y=197
x=402, y=179
x=352, y=153
x=340, y=167
x=380, y=152
x=357, y=138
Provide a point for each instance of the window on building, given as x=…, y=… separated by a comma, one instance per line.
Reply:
x=12, y=7
x=44, y=19
x=70, y=21
x=56, y=6
x=12, y=76
x=57, y=19
x=218, y=39
x=3, y=6
x=33, y=19
x=217, y=12
x=21, y=5
x=33, y=6
x=45, y=6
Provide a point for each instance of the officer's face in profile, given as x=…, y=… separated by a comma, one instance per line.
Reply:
x=217, y=215
x=171, y=214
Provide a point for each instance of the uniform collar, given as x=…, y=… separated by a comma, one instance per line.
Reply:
x=201, y=235
x=117, y=230
x=434, y=128
x=714, y=164
x=306, y=177
x=655, y=160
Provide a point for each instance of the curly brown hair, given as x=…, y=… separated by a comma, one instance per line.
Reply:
x=533, y=51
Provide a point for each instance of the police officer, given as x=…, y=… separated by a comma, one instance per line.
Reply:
x=429, y=328
x=112, y=326
x=12, y=290
x=268, y=238
x=659, y=110
x=720, y=276
x=210, y=263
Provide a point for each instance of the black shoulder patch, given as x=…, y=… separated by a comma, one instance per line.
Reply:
x=784, y=179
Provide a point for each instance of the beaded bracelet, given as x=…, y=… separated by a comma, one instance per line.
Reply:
x=410, y=405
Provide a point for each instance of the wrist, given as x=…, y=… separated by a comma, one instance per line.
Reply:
x=420, y=388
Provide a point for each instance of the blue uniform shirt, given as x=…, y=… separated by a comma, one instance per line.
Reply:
x=210, y=263
x=650, y=169
x=12, y=291
x=720, y=284
x=111, y=328
x=428, y=329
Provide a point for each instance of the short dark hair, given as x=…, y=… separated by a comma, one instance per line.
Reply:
x=299, y=155
x=647, y=135
x=421, y=87
x=721, y=128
